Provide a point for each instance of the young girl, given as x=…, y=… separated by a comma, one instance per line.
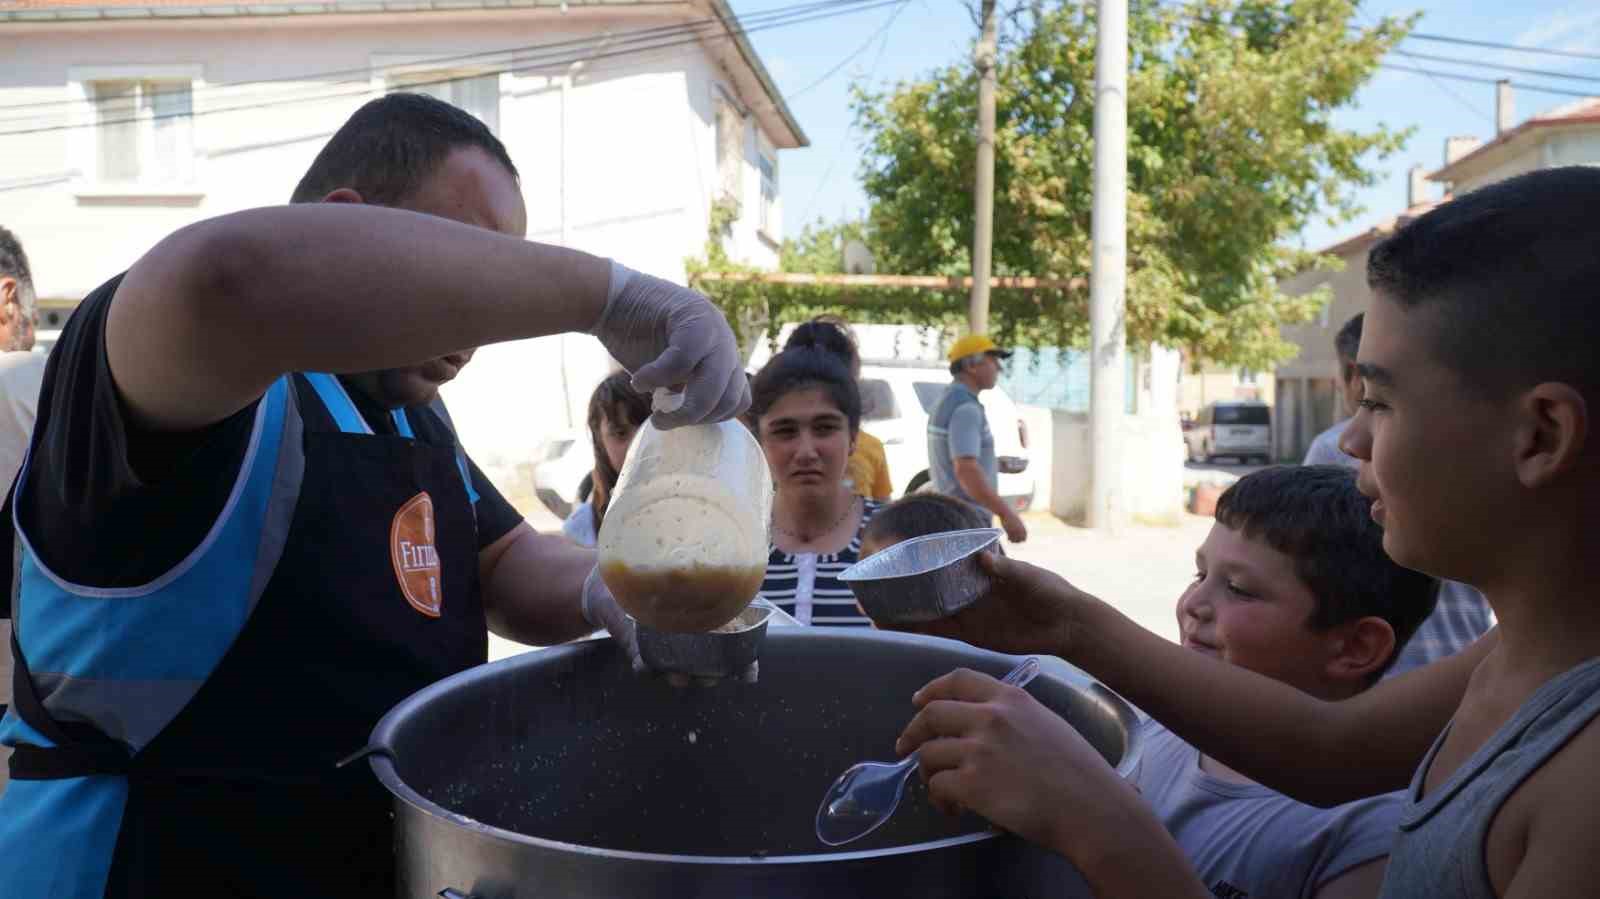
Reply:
x=868, y=469
x=615, y=414
x=807, y=414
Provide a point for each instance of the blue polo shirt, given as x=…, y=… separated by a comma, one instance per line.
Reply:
x=958, y=427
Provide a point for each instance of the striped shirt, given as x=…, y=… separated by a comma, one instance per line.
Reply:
x=807, y=586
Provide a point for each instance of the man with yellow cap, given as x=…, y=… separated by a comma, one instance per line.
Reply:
x=961, y=456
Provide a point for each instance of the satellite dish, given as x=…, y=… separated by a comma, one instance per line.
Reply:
x=858, y=259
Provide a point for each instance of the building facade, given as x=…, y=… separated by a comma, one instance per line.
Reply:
x=121, y=122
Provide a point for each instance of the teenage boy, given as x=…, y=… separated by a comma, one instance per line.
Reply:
x=1483, y=459
x=1462, y=615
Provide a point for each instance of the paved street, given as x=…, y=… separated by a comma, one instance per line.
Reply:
x=1140, y=571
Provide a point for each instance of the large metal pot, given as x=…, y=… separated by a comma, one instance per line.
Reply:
x=561, y=773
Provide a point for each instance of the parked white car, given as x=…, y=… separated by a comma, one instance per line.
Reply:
x=563, y=464
x=896, y=397
x=1242, y=430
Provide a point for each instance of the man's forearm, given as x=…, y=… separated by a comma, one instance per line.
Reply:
x=328, y=287
x=971, y=479
x=533, y=594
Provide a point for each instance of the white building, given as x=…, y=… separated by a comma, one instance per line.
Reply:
x=123, y=120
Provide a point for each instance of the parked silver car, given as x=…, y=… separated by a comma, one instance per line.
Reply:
x=1237, y=429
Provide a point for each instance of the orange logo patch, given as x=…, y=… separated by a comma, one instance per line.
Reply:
x=416, y=560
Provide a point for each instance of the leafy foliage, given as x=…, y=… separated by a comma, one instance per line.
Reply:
x=1231, y=149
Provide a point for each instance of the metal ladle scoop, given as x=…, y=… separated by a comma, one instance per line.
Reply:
x=867, y=794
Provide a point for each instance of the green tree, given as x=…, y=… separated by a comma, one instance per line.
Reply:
x=1231, y=150
x=819, y=248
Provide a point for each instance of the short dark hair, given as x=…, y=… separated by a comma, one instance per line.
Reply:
x=13, y=261
x=829, y=335
x=1514, y=272
x=921, y=514
x=614, y=398
x=391, y=146
x=799, y=369
x=1315, y=515
x=1348, y=341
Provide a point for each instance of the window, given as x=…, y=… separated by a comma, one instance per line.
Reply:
x=877, y=400
x=719, y=136
x=1243, y=415
x=730, y=149
x=1246, y=376
x=144, y=130
x=477, y=94
x=769, y=193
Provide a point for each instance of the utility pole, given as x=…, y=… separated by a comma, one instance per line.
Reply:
x=1108, y=279
x=983, y=189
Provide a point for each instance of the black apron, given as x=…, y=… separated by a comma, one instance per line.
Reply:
x=375, y=596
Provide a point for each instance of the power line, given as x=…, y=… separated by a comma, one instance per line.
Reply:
x=518, y=67
x=1210, y=18
x=1455, y=95
x=834, y=162
x=1535, y=88
x=1435, y=75
x=1495, y=45
x=1445, y=89
x=1453, y=60
x=848, y=59
x=364, y=72
x=751, y=22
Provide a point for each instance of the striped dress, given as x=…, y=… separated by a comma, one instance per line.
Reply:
x=807, y=586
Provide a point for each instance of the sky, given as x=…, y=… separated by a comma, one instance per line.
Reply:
x=879, y=47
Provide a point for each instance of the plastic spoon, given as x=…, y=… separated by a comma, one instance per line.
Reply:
x=866, y=795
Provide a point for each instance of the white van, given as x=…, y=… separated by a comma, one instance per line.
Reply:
x=1237, y=429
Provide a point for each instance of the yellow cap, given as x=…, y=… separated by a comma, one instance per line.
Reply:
x=972, y=345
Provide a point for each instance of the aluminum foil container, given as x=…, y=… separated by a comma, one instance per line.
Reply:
x=719, y=653
x=924, y=578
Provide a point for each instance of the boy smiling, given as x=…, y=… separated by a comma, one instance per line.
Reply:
x=1292, y=583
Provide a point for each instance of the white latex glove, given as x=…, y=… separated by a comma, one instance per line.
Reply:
x=600, y=609
x=668, y=335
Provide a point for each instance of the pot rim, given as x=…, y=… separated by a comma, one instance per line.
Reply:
x=380, y=754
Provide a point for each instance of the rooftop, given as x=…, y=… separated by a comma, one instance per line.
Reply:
x=1578, y=112
x=736, y=55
